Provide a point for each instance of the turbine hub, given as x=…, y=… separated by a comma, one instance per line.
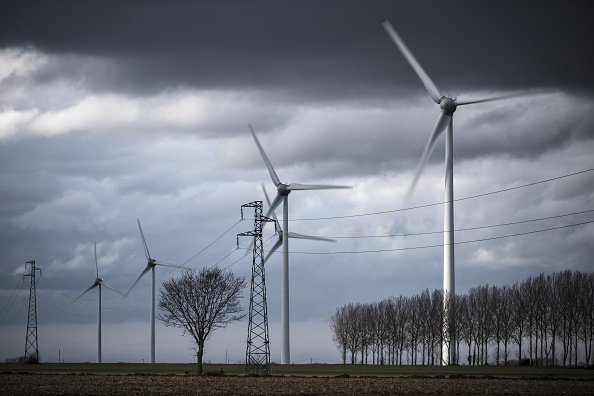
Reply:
x=448, y=105
x=283, y=190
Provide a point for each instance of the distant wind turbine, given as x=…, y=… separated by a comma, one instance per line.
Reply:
x=279, y=232
x=97, y=284
x=283, y=191
x=294, y=235
x=150, y=266
x=448, y=106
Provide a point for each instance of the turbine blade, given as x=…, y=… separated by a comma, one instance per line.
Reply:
x=479, y=98
x=94, y=285
x=273, y=174
x=96, y=266
x=429, y=85
x=249, y=248
x=276, y=224
x=146, y=251
x=277, y=201
x=278, y=244
x=442, y=122
x=265, y=194
x=103, y=283
x=166, y=264
x=146, y=269
x=310, y=237
x=299, y=186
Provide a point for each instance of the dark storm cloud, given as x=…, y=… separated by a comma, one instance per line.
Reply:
x=494, y=129
x=317, y=49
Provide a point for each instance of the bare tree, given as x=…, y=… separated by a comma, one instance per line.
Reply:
x=339, y=324
x=564, y=288
x=466, y=324
x=414, y=332
x=518, y=314
x=586, y=304
x=354, y=342
x=400, y=318
x=201, y=301
x=534, y=318
x=436, y=328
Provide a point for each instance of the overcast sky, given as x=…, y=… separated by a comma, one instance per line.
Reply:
x=112, y=111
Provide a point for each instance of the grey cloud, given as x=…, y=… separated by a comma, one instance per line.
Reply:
x=270, y=45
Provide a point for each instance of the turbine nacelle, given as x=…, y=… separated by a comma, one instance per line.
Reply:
x=283, y=189
x=448, y=105
x=279, y=231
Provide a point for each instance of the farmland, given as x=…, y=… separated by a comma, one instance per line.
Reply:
x=129, y=379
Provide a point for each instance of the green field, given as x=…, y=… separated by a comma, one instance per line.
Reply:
x=307, y=370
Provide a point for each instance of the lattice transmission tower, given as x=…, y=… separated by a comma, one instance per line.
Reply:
x=31, y=346
x=257, y=356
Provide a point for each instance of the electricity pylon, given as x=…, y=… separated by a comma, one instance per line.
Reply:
x=31, y=346
x=257, y=356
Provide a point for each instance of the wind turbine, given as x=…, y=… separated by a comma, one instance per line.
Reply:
x=448, y=106
x=97, y=284
x=294, y=235
x=150, y=266
x=283, y=191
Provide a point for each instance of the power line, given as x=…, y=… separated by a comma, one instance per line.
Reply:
x=212, y=243
x=442, y=244
x=61, y=310
x=437, y=232
x=458, y=230
x=444, y=202
x=399, y=210
x=51, y=288
x=227, y=255
x=242, y=257
x=462, y=229
x=12, y=298
x=204, y=249
x=15, y=315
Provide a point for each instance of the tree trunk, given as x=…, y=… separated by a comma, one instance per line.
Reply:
x=199, y=355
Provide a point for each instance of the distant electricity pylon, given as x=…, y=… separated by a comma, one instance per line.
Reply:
x=257, y=356
x=31, y=347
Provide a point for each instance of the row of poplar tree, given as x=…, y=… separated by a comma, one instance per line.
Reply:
x=544, y=320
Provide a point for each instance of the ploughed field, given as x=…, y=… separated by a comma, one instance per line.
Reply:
x=106, y=379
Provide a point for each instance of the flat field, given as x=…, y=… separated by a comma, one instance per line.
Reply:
x=322, y=379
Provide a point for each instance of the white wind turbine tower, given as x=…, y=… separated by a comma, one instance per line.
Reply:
x=97, y=284
x=444, y=122
x=150, y=266
x=283, y=191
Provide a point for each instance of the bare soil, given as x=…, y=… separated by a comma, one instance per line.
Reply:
x=81, y=384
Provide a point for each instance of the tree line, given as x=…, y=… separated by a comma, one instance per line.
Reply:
x=544, y=320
